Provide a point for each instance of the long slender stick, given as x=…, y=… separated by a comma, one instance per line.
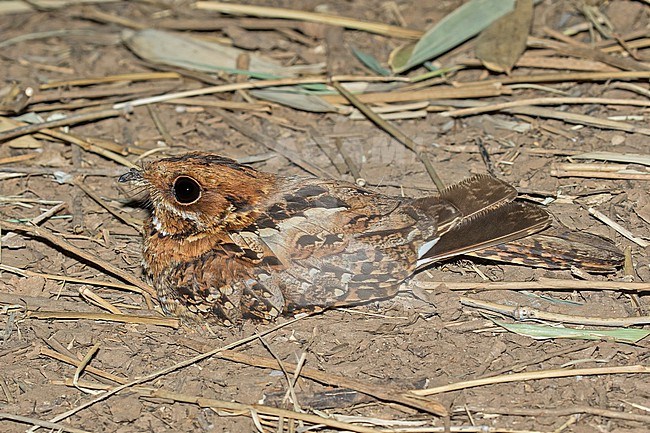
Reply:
x=52, y=238
x=270, y=12
x=70, y=120
x=163, y=372
x=534, y=375
x=393, y=132
x=542, y=284
x=523, y=312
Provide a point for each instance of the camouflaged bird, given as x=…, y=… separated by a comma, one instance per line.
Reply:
x=227, y=242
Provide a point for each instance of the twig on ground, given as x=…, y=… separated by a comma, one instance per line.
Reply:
x=218, y=89
x=38, y=219
x=75, y=363
x=354, y=171
x=528, y=313
x=393, y=132
x=564, y=411
x=543, y=101
x=70, y=120
x=292, y=156
x=542, y=284
x=126, y=219
x=66, y=246
x=534, y=375
x=616, y=226
x=89, y=147
x=334, y=20
x=121, y=318
x=89, y=281
x=259, y=408
x=47, y=424
x=136, y=76
x=599, y=174
x=97, y=300
x=562, y=77
x=384, y=393
x=165, y=371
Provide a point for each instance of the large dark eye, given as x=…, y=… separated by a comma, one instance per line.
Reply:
x=186, y=190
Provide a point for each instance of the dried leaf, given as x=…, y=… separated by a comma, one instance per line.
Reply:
x=630, y=158
x=185, y=51
x=24, y=142
x=457, y=27
x=500, y=45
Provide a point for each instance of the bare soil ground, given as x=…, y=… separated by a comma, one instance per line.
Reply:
x=391, y=347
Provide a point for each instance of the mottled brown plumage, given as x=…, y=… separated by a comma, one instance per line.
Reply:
x=226, y=242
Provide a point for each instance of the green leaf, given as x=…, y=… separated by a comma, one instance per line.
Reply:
x=463, y=23
x=541, y=332
x=294, y=98
x=370, y=62
x=400, y=55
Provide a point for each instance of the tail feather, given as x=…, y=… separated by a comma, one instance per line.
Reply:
x=488, y=227
x=478, y=194
x=557, y=248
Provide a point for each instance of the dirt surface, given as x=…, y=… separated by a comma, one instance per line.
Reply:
x=393, y=346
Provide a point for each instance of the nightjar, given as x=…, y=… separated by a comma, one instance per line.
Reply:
x=227, y=242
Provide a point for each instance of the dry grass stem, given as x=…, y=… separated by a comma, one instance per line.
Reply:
x=619, y=228
x=81, y=98
x=271, y=144
x=564, y=411
x=352, y=168
x=82, y=365
x=76, y=363
x=383, y=392
x=165, y=371
x=216, y=103
x=540, y=61
x=527, y=313
x=580, y=119
x=97, y=300
x=38, y=219
x=37, y=422
x=562, y=77
x=584, y=51
x=543, y=101
x=542, y=284
x=600, y=174
x=18, y=158
x=91, y=282
x=259, y=84
x=596, y=166
x=139, y=76
x=259, y=408
x=534, y=375
x=120, y=318
x=394, y=132
x=334, y=20
x=66, y=246
x=433, y=93
x=89, y=147
x=70, y=120
x=126, y=219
